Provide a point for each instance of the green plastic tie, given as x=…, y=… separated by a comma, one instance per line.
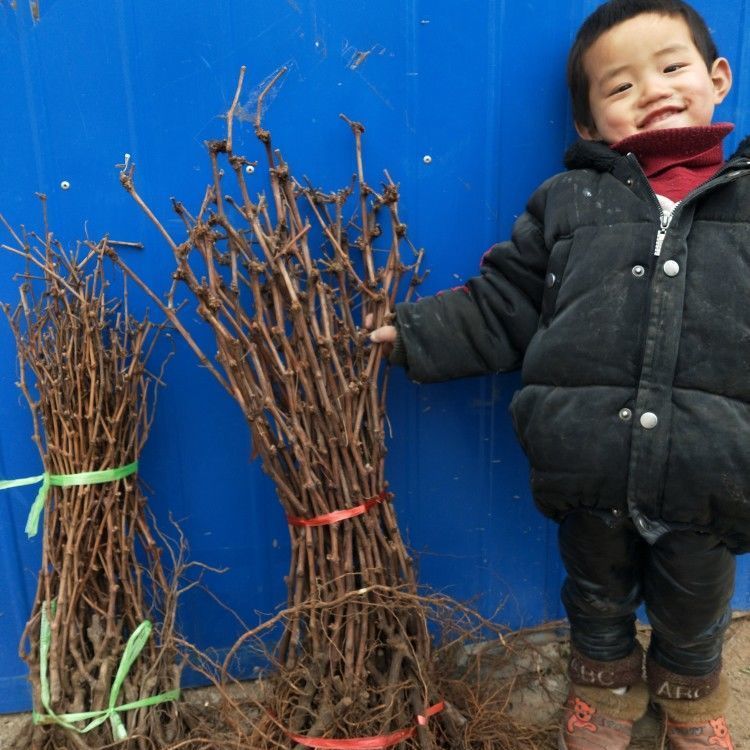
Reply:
x=133, y=648
x=63, y=480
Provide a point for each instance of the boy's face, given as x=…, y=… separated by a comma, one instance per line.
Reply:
x=646, y=74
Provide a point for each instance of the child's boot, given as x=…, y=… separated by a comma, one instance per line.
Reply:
x=694, y=710
x=596, y=716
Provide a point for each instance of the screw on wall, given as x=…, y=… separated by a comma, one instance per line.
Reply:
x=427, y=159
x=65, y=185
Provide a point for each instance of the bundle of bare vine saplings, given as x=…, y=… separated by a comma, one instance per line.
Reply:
x=285, y=283
x=100, y=670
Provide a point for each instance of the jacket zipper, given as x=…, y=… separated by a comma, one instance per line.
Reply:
x=664, y=221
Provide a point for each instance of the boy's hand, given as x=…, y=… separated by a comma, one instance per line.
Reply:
x=383, y=335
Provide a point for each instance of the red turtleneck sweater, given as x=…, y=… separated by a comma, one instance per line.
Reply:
x=677, y=160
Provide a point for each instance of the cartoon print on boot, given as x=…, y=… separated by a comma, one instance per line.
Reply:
x=581, y=717
x=721, y=734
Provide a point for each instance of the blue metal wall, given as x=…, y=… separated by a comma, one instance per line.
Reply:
x=477, y=86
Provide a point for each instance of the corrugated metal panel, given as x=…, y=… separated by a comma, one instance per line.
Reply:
x=477, y=86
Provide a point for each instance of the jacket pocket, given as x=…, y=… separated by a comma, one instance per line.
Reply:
x=558, y=260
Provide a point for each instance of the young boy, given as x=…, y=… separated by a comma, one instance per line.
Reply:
x=623, y=295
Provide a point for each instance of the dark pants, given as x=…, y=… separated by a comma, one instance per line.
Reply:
x=686, y=580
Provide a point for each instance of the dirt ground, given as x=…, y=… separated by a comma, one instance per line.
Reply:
x=540, y=674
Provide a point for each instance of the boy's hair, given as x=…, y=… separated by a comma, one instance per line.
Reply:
x=611, y=14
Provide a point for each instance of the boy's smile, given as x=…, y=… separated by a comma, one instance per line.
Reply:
x=645, y=74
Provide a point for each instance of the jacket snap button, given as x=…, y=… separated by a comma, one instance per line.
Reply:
x=638, y=271
x=550, y=280
x=649, y=420
x=671, y=268
x=625, y=414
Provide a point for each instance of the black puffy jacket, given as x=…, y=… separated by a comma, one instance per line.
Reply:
x=635, y=367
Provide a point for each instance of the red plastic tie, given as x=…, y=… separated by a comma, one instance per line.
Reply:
x=367, y=743
x=339, y=515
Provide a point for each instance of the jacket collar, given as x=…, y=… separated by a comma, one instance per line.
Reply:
x=599, y=156
x=591, y=155
x=743, y=150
